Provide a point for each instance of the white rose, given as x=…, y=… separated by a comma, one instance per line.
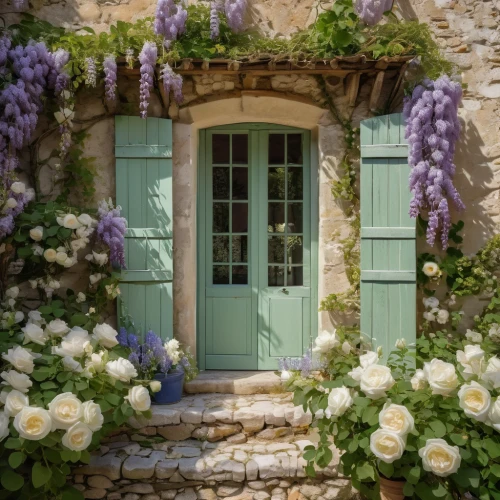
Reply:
x=65, y=410
x=173, y=352
x=12, y=292
x=78, y=437
x=70, y=262
x=19, y=381
x=50, y=255
x=78, y=244
x=4, y=425
x=369, y=358
x=418, y=381
x=376, y=380
x=430, y=269
x=472, y=359
x=101, y=259
x=94, y=278
x=61, y=258
x=33, y=423
x=442, y=316
x=33, y=333
x=71, y=364
x=18, y=187
x=428, y=316
x=36, y=233
x=14, y=402
x=475, y=400
x=492, y=372
x=494, y=415
x=441, y=376
x=105, y=335
x=440, y=458
x=396, y=418
x=400, y=344
x=11, y=203
x=57, y=328
x=70, y=221
x=81, y=297
x=73, y=344
x=85, y=219
x=430, y=302
x=21, y=359
x=474, y=336
x=35, y=317
x=325, y=342
x=339, y=401
x=387, y=445
x=37, y=250
x=92, y=415
x=55, y=285
x=94, y=364
x=356, y=373
x=346, y=347
x=139, y=399
x=18, y=316
x=155, y=385
x=121, y=369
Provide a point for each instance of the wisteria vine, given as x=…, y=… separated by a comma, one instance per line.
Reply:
x=147, y=58
x=111, y=229
x=170, y=20
x=372, y=11
x=110, y=77
x=172, y=82
x=235, y=12
x=432, y=130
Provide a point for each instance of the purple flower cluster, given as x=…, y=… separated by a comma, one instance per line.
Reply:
x=110, y=77
x=432, y=130
x=148, y=358
x=235, y=12
x=20, y=4
x=90, y=72
x=147, y=58
x=170, y=20
x=172, y=81
x=111, y=230
x=372, y=11
x=215, y=8
x=306, y=364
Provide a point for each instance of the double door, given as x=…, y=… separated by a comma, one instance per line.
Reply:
x=254, y=246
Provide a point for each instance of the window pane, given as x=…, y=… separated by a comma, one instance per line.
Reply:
x=240, y=217
x=275, y=276
x=220, y=177
x=295, y=276
x=295, y=183
x=240, y=248
x=276, y=149
x=220, y=148
x=220, y=249
x=240, y=149
x=276, y=249
x=294, y=148
x=240, y=183
x=221, y=275
x=276, y=183
x=240, y=275
x=221, y=218
x=275, y=217
x=295, y=217
x=294, y=249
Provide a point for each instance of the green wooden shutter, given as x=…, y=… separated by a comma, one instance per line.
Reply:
x=143, y=151
x=388, y=246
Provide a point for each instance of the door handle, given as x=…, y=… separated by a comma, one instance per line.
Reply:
x=284, y=290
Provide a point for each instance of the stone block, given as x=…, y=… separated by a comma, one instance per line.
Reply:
x=221, y=431
x=186, y=451
x=165, y=468
x=223, y=415
x=251, y=420
x=193, y=415
x=107, y=465
x=187, y=494
x=94, y=493
x=227, y=491
x=206, y=494
x=252, y=470
x=176, y=432
x=239, y=438
x=193, y=469
x=99, y=482
x=136, y=467
x=274, y=433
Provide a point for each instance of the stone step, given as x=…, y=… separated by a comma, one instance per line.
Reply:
x=194, y=470
x=214, y=417
x=235, y=382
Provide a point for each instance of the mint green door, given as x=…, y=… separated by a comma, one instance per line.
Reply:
x=254, y=242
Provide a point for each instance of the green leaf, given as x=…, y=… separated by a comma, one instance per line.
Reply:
x=40, y=475
x=458, y=439
x=438, y=427
x=45, y=309
x=16, y=459
x=13, y=443
x=414, y=475
x=408, y=489
x=48, y=385
x=78, y=319
x=113, y=399
x=59, y=313
x=369, y=413
x=467, y=477
x=72, y=494
x=365, y=471
x=11, y=481
x=24, y=252
x=386, y=469
x=52, y=230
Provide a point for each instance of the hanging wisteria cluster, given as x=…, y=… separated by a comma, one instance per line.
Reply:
x=110, y=77
x=432, y=130
x=172, y=82
x=111, y=229
x=372, y=11
x=31, y=71
x=147, y=58
x=170, y=20
x=215, y=8
x=90, y=72
x=235, y=12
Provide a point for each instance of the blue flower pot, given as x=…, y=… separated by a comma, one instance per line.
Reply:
x=171, y=387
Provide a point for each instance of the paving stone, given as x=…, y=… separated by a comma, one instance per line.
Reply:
x=139, y=467
x=268, y=466
x=193, y=469
x=223, y=415
x=221, y=431
x=186, y=451
x=227, y=491
x=252, y=470
x=237, y=439
x=251, y=420
x=177, y=432
x=193, y=415
x=274, y=433
x=297, y=417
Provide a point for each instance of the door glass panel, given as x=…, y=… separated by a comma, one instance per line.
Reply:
x=240, y=217
x=221, y=248
x=276, y=149
x=295, y=183
x=275, y=217
x=240, y=183
x=276, y=184
x=295, y=276
x=276, y=249
x=294, y=149
x=276, y=275
x=240, y=149
x=220, y=183
x=294, y=249
x=240, y=249
x=240, y=275
x=220, y=149
x=221, y=218
x=221, y=275
x=295, y=217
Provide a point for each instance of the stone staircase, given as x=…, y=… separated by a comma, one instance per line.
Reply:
x=209, y=446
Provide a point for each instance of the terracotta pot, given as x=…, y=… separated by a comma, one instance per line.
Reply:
x=391, y=490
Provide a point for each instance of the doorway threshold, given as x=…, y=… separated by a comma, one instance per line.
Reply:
x=235, y=382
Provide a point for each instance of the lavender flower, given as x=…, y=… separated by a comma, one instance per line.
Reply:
x=134, y=359
x=235, y=12
x=110, y=77
x=122, y=337
x=432, y=130
x=214, y=19
x=172, y=81
x=111, y=230
x=133, y=341
x=147, y=58
x=90, y=72
x=170, y=20
x=372, y=11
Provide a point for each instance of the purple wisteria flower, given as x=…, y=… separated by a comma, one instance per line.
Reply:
x=170, y=20
x=111, y=230
x=235, y=12
x=20, y=4
x=147, y=58
x=172, y=81
x=372, y=11
x=110, y=77
x=432, y=130
x=215, y=8
x=90, y=72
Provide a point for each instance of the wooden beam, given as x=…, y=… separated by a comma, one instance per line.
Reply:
x=352, y=87
x=376, y=90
